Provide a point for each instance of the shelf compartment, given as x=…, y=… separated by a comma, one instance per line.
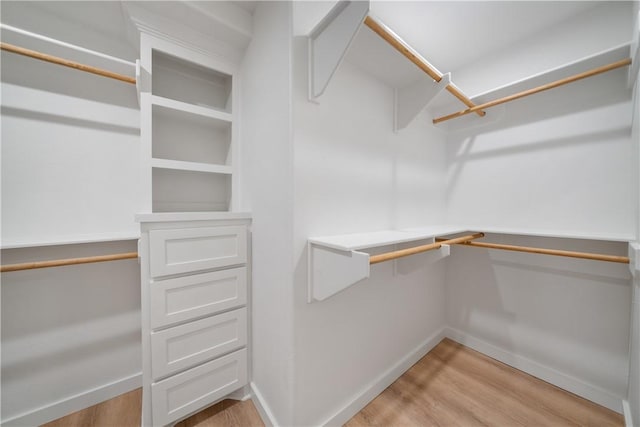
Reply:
x=183, y=136
x=185, y=81
x=189, y=191
x=190, y=108
x=190, y=166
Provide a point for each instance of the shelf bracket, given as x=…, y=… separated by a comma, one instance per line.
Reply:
x=330, y=40
x=411, y=100
x=138, y=80
x=332, y=270
x=634, y=69
x=634, y=258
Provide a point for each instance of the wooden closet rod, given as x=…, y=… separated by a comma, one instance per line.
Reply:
x=561, y=82
x=66, y=63
x=399, y=45
x=70, y=261
x=555, y=252
x=387, y=256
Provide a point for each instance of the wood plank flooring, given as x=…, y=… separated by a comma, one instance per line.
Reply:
x=125, y=411
x=451, y=386
x=456, y=386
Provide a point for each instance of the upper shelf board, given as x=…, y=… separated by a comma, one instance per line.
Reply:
x=447, y=106
x=330, y=40
x=565, y=234
x=184, y=107
x=359, y=241
x=335, y=262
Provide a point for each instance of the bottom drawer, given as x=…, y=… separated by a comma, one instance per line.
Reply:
x=189, y=391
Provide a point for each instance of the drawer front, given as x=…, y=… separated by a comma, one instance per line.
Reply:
x=190, y=391
x=185, y=250
x=185, y=298
x=187, y=345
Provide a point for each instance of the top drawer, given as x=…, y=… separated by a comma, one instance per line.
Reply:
x=185, y=250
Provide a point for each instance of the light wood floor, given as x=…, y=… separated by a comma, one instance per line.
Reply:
x=451, y=386
x=125, y=411
x=456, y=386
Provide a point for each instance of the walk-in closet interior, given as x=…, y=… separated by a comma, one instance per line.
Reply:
x=293, y=203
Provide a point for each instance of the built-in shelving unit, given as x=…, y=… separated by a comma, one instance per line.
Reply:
x=187, y=131
x=193, y=247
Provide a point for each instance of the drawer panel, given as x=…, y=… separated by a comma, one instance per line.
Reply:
x=185, y=250
x=190, y=391
x=187, y=345
x=184, y=298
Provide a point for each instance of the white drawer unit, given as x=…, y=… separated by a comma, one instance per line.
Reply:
x=187, y=345
x=194, y=249
x=195, y=314
x=185, y=393
x=190, y=297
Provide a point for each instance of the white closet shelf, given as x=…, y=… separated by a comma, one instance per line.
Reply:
x=335, y=262
x=71, y=240
x=358, y=241
x=209, y=112
x=610, y=237
x=191, y=166
x=568, y=69
x=586, y=63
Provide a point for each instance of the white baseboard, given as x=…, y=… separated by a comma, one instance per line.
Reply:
x=545, y=373
x=242, y=394
x=383, y=381
x=261, y=405
x=626, y=410
x=75, y=403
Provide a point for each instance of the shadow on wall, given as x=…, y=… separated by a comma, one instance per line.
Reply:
x=31, y=73
x=556, y=160
x=486, y=305
x=577, y=97
x=32, y=368
x=69, y=121
x=465, y=152
x=40, y=300
x=542, y=307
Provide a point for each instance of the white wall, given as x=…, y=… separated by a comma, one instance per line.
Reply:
x=559, y=162
x=353, y=174
x=71, y=335
x=565, y=320
x=70, y=139
x=633, y=396
x=267, y=162
x=592, y=31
